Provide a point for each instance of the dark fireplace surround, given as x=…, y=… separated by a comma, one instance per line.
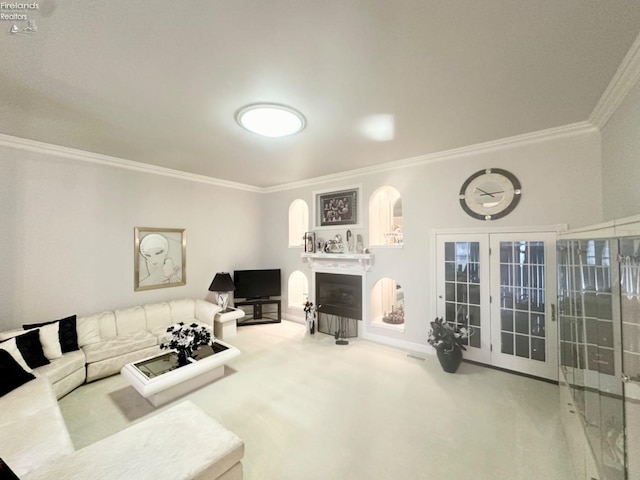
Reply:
x=339, y=295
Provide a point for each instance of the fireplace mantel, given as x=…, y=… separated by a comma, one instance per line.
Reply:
x=339, y=261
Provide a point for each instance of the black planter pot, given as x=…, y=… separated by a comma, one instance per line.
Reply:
x=450, y=359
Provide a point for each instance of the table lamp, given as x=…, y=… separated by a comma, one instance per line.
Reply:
x=223, y=284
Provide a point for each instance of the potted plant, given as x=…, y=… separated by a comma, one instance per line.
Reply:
x=449, y=343
x=185, y=339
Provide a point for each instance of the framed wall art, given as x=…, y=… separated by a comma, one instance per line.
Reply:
x=337, y=208
x=160, y=258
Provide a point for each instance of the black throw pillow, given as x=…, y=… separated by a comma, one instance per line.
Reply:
x=67, y=333
x=6, y=473
x=12, y=375
x=31, y=349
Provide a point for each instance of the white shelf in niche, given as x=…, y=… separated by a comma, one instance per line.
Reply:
x=339, y=261
x=378, y=323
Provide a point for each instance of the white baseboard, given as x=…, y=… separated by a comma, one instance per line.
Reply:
x=291, y=318
x=401, y=344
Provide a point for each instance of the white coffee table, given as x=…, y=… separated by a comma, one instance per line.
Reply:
x=160, y=380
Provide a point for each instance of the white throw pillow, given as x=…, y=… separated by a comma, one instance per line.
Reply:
x=11, y=347
x=50, y=340
x=88, y=329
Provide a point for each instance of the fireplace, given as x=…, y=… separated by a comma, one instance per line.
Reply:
x=339, y=304
x=339, y=295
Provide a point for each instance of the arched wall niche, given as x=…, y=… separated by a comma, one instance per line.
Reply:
x=385, y=217
x=298, y=222
x=387, y=304
x=297, y=289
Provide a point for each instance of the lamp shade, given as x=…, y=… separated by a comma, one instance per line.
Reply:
x=222, y=282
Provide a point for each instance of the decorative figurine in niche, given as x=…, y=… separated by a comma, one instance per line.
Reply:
x=395, y=316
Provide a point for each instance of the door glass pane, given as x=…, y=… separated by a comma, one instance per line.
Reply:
x=522, y=346
x=537, y=348
x=506, y=317
x=474, y=316
x=462, y=287
x=522, y=301
x=537, y=325
x=507, y=343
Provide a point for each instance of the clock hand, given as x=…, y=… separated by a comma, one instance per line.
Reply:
x=483, y=192
x=493, y=193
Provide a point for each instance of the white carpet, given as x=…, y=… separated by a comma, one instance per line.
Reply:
x=309, y=409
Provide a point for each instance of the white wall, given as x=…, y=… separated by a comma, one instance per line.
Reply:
x=621, y=159
x=561, y=184
x=67, y=226
x=67, y=230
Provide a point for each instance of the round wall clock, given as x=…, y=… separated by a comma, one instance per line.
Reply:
x=490, y=194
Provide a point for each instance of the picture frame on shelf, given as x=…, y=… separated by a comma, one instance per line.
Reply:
x=160, y=258
x=309, y=242
x=337, y=208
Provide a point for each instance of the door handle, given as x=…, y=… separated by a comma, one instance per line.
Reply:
x=627, y=379
x=553, y=312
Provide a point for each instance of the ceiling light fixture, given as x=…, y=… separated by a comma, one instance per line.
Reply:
x=270, y=119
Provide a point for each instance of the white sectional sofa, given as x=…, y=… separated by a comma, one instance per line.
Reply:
x=33, y=430
x=180, y=443
x=109, y=340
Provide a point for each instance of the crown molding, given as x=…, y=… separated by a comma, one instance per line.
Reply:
x=83, y=156
x=527, y=138
x=619, y=87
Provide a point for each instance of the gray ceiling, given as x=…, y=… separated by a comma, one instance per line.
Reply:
x=159, y=81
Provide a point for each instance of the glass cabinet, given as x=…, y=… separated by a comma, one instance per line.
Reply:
x=599, y=345
x=629, y=265
x=590, y=354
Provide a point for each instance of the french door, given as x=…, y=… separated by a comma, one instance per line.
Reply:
x=504, y=287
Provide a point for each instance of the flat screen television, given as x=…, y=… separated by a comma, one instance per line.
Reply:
x=256, y=283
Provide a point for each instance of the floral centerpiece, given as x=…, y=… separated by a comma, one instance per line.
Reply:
x=449, y=342
x=186, y=338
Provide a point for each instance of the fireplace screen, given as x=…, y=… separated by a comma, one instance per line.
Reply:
x=339, y=295
x=339, y=303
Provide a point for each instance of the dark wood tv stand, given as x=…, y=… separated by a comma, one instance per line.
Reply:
x=255, y=314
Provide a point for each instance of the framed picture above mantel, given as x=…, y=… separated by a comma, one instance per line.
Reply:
x=338, y=207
